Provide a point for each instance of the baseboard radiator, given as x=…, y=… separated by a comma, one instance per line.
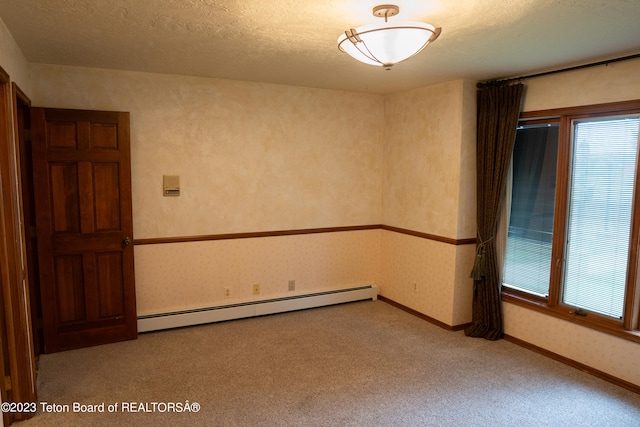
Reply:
x=221, y=313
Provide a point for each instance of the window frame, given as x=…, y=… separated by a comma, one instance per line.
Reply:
x=629, y=326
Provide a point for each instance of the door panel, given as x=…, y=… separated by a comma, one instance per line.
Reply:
x=82, y=179
x=65, y=197
x=104, y=136
x=109, y=269
x=62, y=135
x=106, y=196
x=70, y=289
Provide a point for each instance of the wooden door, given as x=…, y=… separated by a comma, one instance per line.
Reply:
x=82, y=187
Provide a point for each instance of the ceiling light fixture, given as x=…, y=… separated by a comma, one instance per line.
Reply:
x=387, y=44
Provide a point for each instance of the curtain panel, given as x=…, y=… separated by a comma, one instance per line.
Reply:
x=498, y=113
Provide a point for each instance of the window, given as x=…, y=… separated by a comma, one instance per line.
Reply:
x=528, y=257
x=600, y=204
x=573, y=219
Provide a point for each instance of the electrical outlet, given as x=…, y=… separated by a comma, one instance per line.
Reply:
x=227, y=292
x=415, y=287
x=292, y=285
x=256, y=289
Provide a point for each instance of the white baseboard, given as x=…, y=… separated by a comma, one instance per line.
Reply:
x=179, y=319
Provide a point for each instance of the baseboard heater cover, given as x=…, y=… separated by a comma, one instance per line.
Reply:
x=221, y=313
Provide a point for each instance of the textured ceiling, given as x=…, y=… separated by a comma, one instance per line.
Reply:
x=294, y=41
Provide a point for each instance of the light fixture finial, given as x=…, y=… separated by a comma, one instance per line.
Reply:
x=385, y=11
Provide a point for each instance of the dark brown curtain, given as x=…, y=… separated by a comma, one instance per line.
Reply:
x=498, y=113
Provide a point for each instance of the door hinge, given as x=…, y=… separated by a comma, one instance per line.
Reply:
x=7, y=383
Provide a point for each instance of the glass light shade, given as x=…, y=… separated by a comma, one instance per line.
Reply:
x=388, y=43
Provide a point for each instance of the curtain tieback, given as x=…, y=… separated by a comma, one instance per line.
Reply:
x=479, y=264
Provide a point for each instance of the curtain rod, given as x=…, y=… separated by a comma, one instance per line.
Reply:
x=562, y=70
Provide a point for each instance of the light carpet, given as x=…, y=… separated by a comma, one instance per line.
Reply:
x=357, y=364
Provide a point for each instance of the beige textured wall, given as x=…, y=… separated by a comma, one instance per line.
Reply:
x=614, y=82
x=422, y=159
x=251, y=157
x=615, y=356
x=419, y=273
x=465, y=254
x=429, y=186
x=180, y=276
x=618, y=357
x=466, y=227
x=258, y=157
x=13, y=61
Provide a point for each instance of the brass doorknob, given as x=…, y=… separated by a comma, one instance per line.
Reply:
x=126, y=241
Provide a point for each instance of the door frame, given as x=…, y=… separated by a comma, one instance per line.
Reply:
x=19, y=383
x=21, y=113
